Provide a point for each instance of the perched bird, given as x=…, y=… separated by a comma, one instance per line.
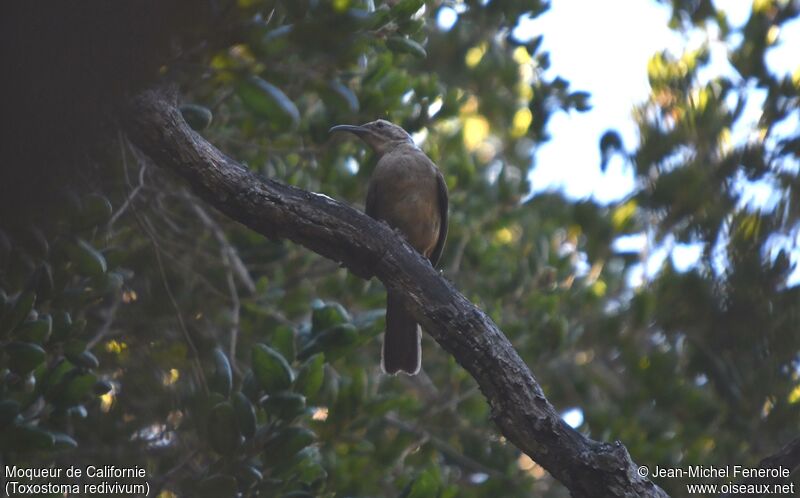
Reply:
x=408, y=192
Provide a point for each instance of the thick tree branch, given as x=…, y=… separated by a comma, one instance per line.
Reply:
x=787, y=458
x=337, y=231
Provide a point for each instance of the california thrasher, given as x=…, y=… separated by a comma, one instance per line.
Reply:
x=408, y=192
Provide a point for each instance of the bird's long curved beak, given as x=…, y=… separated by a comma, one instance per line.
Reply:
x=358, y=130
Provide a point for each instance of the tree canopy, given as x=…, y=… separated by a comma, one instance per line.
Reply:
x=140, y=326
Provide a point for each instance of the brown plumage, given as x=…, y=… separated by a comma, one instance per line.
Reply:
x=408, y=192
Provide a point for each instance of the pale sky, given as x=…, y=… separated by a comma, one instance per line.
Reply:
x=609, y=59
x=603, y=50
x=603, y=47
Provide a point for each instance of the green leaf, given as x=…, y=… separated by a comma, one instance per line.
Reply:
x=222, y=429
x=380, y=17
x=97, y=210
x=62, y=325
x=222, y=379
x=79, y=387
x=334, y=342
x=23, y=357
x=41, y=281
x=84, y=359
x=245, y=414
x=78, y=326
x=63, y=441
x=285, y=405
x=251, y=387
x=427, y=485
x=342, y=97
x=212, y=400
x=401, y=44
x=273, y=42
x=110, y=283
x=326, y=315
x=197, y=116
x=74, y=347
x=330, y=386
x=77, y=412
x=282, y=446
x=534, y=45
x=9, y=409
x=610, y=142
x=271, y=369
x=25, y=438
x=217, y=486
x=268, y=101
x=73, y=388
x=308, y=468
x=580, y=100
x=5, y=249
x=101, y=387
x=37, y=331
x=283, y=341
x=411, y=26
x=352, y=394
x=19, y=312
x=54, y=376
x=406, y=8
x=34, y=240
x=371, y=323
x=382, y=404
x=87, y=259
x=311, y=374
x=249, y=475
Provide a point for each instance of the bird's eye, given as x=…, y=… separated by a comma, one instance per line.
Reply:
x=380, y=124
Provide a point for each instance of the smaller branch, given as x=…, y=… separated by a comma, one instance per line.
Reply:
x=452, y=403
x=235, y=311
x=787, y=457
x=164, y=479
x=161, y=207
x=442, y=447
x=233, y=264
x=190, y=270
x=237, y=265
x=223, y=96
x=133, y=191
x=461, y=248
x=110, y=312
x=198, y=368
x=147, y=228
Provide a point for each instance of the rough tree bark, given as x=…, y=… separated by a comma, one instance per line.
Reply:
x=366, y=247
x=787, y=457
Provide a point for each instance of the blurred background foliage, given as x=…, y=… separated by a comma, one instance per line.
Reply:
x=138, y=327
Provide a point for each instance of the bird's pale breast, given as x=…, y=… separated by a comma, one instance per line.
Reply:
x=408, y=199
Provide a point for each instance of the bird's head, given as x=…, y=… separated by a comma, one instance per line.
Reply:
x=380, y=135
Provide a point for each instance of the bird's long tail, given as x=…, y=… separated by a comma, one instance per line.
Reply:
x=401, y=343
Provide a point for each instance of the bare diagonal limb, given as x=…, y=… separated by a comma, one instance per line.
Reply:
x=366, y=247
x=788, y=458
